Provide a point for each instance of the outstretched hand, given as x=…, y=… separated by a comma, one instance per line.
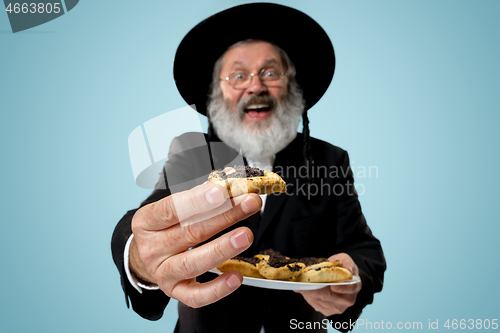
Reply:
x=158, y=251
x=334, y=299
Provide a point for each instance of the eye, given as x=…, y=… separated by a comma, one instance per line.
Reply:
x=239, y=76
x=269, y=74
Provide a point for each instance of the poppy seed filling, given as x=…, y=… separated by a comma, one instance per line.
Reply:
x=240, y=171
x=309, y=261
x=278, y=261
x=253, y=260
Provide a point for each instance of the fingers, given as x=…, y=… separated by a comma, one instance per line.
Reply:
x=322, y=306
x=337, y=298
x=175, y=276
x=179, y=238
x=318, y=293
x=347, y=289
x=180, y=206
x=327, y=301
x=157, y=248
x=195, y=294
x=346, y=261
x=325, y=307
x=198, y=200
x=162, y=241
x=227, y=205
x=195, y=262
x=339, y=289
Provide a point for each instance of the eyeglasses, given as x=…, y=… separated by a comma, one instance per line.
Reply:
x=241, y=79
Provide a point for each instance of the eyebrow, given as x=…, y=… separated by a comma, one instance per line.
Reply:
x=266, y=62
x=270, y=61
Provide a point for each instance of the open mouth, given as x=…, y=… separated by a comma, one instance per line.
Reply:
x=258, y=111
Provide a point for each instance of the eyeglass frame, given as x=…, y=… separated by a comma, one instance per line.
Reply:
x=263, y=70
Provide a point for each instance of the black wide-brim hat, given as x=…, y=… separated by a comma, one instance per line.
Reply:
x=302, y=38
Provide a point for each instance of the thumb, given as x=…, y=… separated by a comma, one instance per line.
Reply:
x=346, y=261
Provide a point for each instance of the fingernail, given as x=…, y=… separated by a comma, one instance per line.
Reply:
x=233, y=282
x=249, y=205
x=215, y=196
x=240, y=240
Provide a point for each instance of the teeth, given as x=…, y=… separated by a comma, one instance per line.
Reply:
x=257, y=106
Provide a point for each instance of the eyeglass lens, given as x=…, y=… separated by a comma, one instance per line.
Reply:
x=242, y=79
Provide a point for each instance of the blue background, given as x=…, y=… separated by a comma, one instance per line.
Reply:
x=415, y=95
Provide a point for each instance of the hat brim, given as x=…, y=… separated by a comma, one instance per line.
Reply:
x=302, y=38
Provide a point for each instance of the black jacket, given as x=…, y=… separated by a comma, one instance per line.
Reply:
x=316, y=219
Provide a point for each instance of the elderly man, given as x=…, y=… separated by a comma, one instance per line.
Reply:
x=254, y=107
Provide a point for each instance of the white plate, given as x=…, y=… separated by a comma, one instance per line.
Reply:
x=289, y=285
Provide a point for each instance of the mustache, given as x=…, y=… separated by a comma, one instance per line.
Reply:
x=250, y=100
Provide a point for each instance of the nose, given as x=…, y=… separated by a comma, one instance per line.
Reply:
x=256, y=86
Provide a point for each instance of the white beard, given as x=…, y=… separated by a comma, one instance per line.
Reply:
x=262, y=139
